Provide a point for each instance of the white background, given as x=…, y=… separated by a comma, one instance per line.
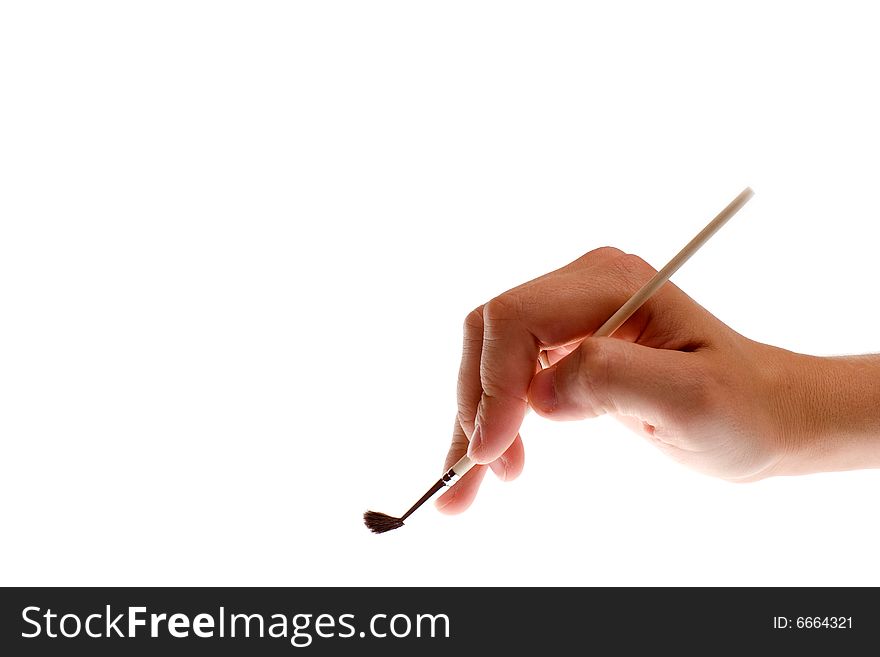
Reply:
x=238, y=240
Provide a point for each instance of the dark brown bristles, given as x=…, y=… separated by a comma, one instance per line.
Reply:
x=379, y=523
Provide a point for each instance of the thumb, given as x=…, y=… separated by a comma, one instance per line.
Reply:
x=608, y=375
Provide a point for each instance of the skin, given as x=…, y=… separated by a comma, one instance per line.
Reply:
x=699, y=391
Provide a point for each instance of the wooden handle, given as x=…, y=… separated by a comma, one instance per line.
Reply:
x=648, y=290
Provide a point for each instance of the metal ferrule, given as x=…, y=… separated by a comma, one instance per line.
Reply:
x=450, y=477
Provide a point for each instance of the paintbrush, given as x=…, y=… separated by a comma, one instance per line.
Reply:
x=381, y=522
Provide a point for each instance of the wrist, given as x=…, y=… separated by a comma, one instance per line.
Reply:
x=826, y=411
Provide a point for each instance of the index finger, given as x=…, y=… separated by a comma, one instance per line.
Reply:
x=507, y=364
x=543, y=314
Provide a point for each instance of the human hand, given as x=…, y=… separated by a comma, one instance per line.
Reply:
x=702, y=393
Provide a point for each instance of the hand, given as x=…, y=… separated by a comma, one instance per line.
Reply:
x=700, y=392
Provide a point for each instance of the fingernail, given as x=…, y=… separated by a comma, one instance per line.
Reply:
x=543, y=391
x=504, y=468
x=476, y=442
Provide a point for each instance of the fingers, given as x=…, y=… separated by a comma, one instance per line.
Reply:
x=470, y=390
x=551, y=312
x=509, y=465
x=507, y=363
x=606, y=375
x=460, y=496
x=555, y=313
x=556, y=355
x=469, y=387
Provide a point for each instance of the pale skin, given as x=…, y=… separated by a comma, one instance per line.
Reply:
x=699, y=391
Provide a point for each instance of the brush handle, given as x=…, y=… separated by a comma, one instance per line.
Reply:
x=458, y=470
x=648, y=290
x=636, y=301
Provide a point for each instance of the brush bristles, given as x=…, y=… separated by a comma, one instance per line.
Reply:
x=379, y=523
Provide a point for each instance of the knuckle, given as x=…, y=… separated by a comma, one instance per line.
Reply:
x=598, y=256
x=605, y=252
x=465, y=413
x=592, y=373
x=500, y=309
x=473, y=321
x=632, y=265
